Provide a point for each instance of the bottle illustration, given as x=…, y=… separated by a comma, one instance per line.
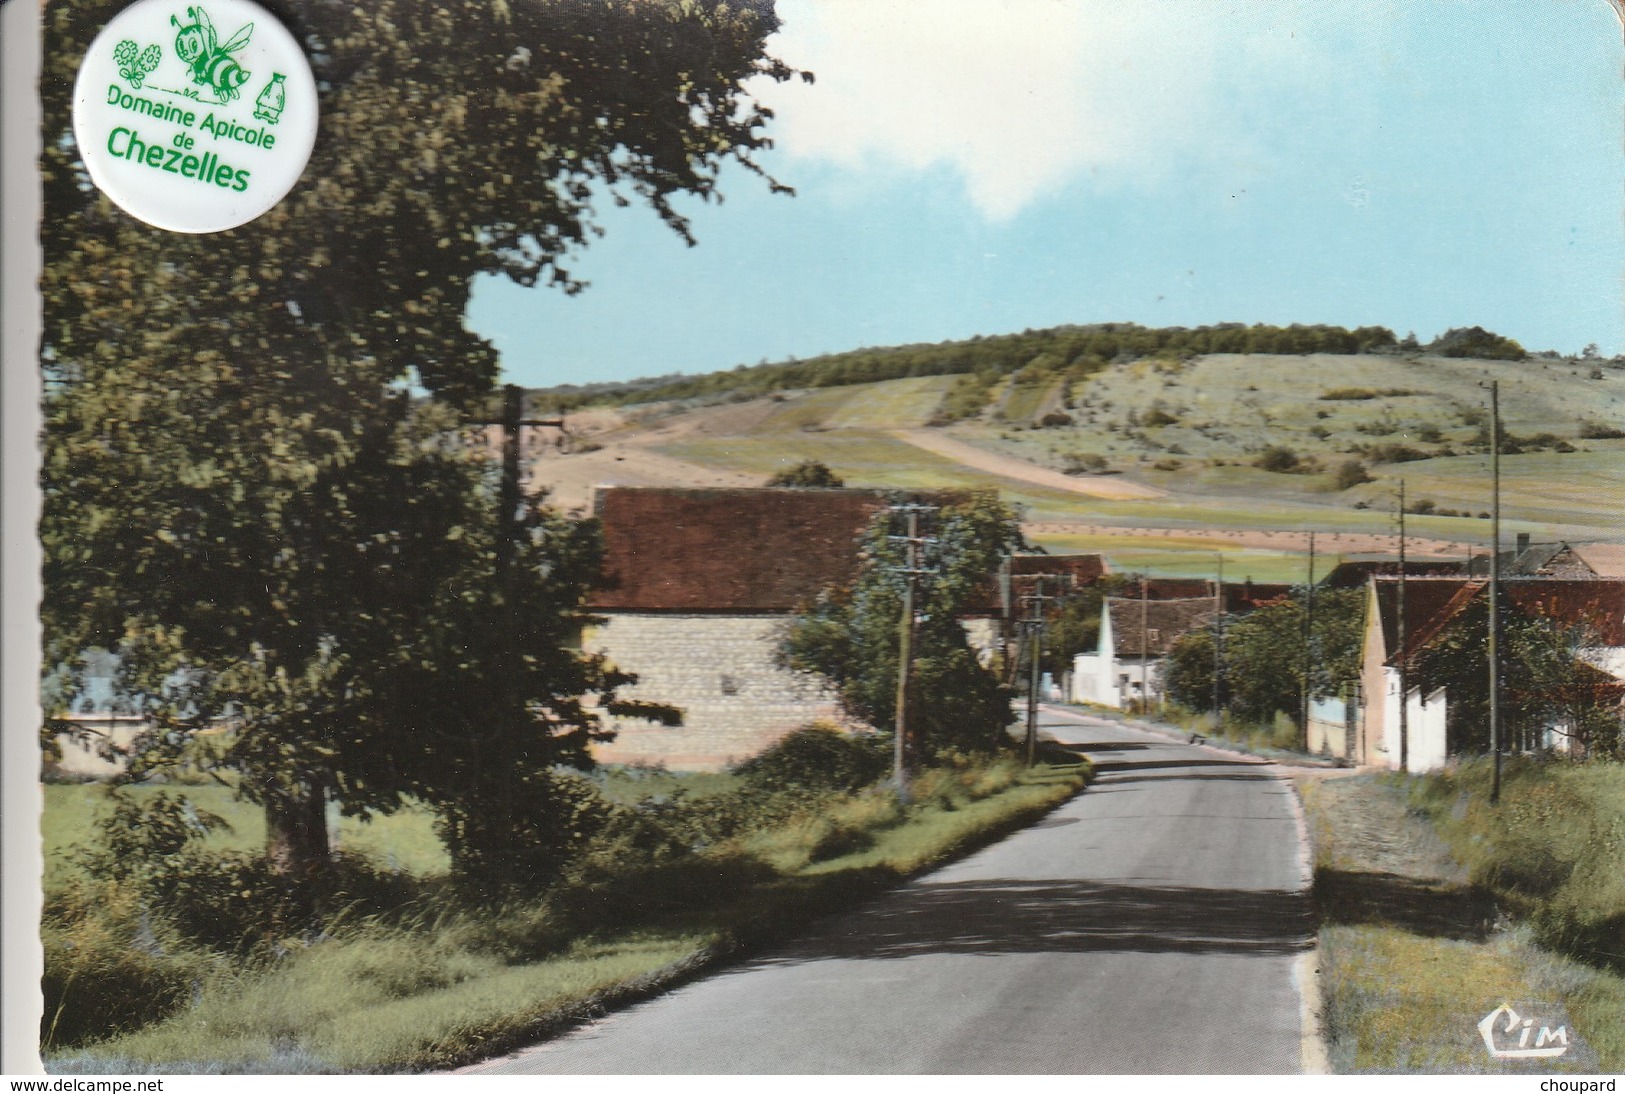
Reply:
x=268, y=107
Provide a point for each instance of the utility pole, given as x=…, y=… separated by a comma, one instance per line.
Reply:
x=1404, y=653
x=1308, y=641
x=1495, y=589
x=912, y=572
x=509, y=517
x=1145, y=648
x=510, y=698
x=1218, y=641
x=1034, y=626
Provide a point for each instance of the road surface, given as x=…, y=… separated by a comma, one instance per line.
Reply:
x=1152, y=924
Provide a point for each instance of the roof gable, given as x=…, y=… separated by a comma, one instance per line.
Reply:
x=1164, y=623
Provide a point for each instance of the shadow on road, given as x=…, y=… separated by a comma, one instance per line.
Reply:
x=1435, y=909
x=1106, y=746
x=1105, y=767
x=1072, y=916
x=1231, y=776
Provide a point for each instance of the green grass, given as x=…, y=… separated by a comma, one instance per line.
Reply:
x=456, y=985
x=1409, y=959
x=870, y=459
x=1176, y=556
x=404, y=841
x=1551, y=850
x=1406, y=1002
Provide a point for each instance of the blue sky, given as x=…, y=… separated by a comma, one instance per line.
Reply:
x=986, y=166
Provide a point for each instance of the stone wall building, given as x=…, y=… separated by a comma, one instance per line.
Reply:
x=699, y=585
x=699, y=588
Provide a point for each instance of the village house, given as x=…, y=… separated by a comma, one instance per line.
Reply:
x=1138, y=629
x=1432, y=606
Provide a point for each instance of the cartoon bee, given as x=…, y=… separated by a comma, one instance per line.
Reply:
x=212, y=64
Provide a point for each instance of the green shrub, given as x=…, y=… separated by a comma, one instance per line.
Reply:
x=111, y=966
x=1351, y=473
x=807, y=475
x=1591, y=430
x=1550, y=850
x=1393, y=453
x=1278, y=459
x=818, y=757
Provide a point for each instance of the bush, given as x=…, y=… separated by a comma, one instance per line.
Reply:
x=1158, y=416
x=1393, y=453
x=1055, y=418
x=1278, y=459
x=1591, y=430
x=818, y=757
x=110, y=966
x=808, y=474
x=1351, y=473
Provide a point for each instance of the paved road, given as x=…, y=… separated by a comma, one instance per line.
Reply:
x=1151, y=924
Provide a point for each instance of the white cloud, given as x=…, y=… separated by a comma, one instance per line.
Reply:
x=1022, y=97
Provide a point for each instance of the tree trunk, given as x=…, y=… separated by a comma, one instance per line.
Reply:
x=296, y=830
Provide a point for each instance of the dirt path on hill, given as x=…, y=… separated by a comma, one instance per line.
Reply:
x=569, y=479
x=1094, y=486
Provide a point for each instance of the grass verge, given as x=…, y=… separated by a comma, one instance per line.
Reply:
x=1415, y=947
x=455, y=986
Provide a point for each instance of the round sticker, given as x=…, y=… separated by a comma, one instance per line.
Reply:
x=195, y=117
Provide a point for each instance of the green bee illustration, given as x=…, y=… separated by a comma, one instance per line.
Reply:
x=212, y=63
x=133, y=66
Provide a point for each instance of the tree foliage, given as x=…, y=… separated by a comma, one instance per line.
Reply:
x=1262, y=667
x=242, y=497
x=850, y=636
x=1072, y=352
x=1476, y=342
x=808, y=474
x=1546, y=684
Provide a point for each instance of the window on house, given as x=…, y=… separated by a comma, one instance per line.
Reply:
x=729, y=685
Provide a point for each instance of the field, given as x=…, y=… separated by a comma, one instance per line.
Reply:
x=1160, y=456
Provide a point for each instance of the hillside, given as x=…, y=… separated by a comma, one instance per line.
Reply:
x=1164, y=460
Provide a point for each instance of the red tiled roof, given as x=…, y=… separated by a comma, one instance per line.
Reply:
x=1166, y=621
x=1597, y=605
x=1432, y=604
x=738, y=550
x=1251, y=595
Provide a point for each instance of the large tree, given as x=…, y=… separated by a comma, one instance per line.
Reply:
x=255, y=486
x=851, y=635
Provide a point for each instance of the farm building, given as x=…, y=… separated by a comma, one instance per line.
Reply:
x=698, y=586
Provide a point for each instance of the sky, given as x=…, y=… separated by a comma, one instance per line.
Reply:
x=969, y=167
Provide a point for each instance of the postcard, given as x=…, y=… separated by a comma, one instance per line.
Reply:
x=1014, y=537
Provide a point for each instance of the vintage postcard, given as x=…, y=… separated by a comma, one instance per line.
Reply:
x=803, y=537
